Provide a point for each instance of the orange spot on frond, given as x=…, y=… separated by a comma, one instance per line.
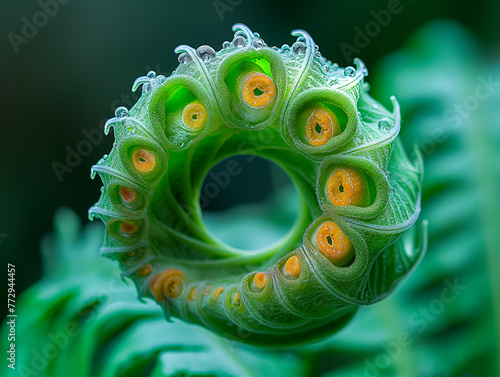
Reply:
x=144, y=271
x=168, y=283
x=346, y=186
x=143, y=160
x=128, y=228
x=260, y=280
x=292, y=266
x=127, y=194
x=258, y=90
x=218, y=292
x=321, y=126
x=194, y=115
x=334, y=244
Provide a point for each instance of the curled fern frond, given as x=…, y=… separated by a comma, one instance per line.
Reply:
x=359, y=190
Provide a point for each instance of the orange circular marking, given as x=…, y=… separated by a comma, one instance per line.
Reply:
x=131, y=254
x=128, y=227
x=143, y=160
x=169, y=283
x=192, y=296
x=321, y=126
x=260, y=280
x=236, y=299
x=334, y=243
x=345, y=186
x=218, y=292
x=194, y=115
x=146, y=270
x=292, y=266
x=207, y=289
x=258, y=90
x=127, y=194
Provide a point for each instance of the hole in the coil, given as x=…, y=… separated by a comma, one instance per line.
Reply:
x=248, y=202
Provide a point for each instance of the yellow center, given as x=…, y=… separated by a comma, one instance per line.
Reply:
x=128, y=227
x=236, y=299
x=292, y=266
x=258, y=90
x=143, y=160
x=146, y=270
x=321, y=126
x=218, y=291
x=260, y=280
x=194, y=115
x=192, y=296
x=167, y=283
x=127, y=194
x=345, y=186
x=334, y=243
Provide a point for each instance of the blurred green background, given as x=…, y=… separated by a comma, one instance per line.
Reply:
x=66, y=79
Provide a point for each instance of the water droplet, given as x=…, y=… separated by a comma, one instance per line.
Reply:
x=299, y=48
x=121, y=112
x=301, y=39
x=326, y=68
x=239, y=41
x=384, y=125
x=240, y=33
x=366, y=87
x=146, y=88
x=258, y=43
x=184, y=58
x=151, y=74
x=256, y=35
x=388, y=174
x=131, y=129
x=205, y=53
x=105, y=157
x=318, y=55
x=285, y=48
x=226, y=45
x=391, y=191
x=349, y=71
x=275, y=48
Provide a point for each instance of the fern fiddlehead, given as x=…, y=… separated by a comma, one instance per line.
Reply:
x=359, y=191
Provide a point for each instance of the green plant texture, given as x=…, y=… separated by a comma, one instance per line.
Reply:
x=359, y=191
x=82, y=319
